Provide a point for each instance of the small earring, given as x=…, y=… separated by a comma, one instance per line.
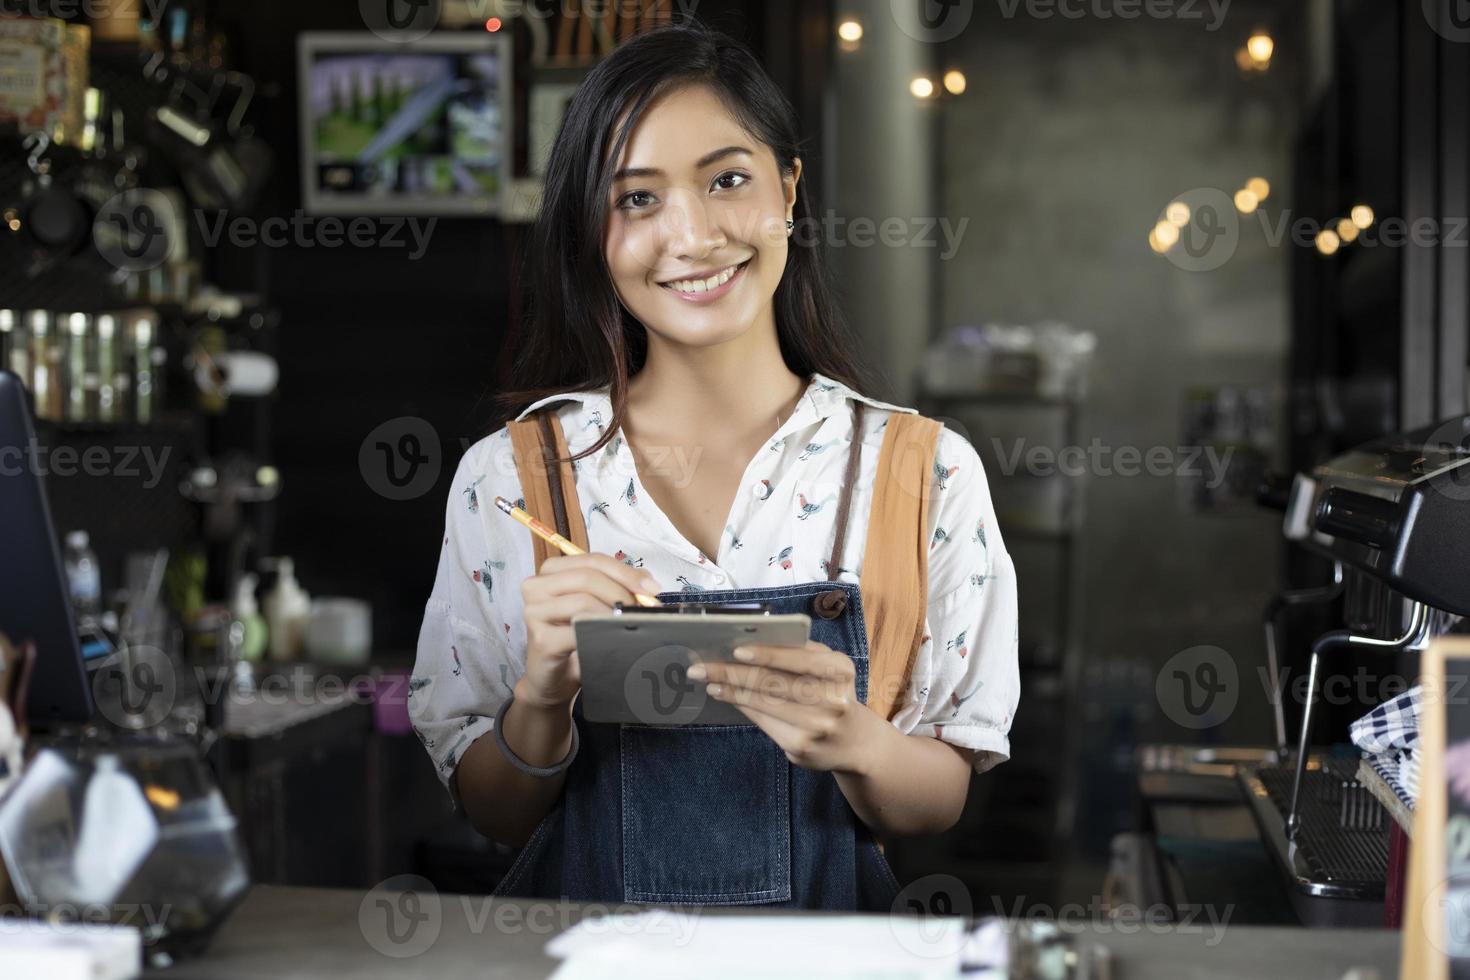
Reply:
x=790, y=225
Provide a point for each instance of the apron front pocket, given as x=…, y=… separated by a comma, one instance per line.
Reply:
x=706, y=816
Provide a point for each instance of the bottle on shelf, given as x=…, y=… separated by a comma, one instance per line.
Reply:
x=44, y=384
x=247, y=613
x=83, y=577
x=286, y=609
x=109, y=392
x=78, y=326
x=145, y=395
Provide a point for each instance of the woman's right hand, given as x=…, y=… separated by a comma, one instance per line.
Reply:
x=565, y=586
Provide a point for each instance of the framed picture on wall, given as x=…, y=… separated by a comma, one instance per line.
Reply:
x=404, y=128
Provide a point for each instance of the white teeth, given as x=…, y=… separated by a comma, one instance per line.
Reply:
x=704, y=285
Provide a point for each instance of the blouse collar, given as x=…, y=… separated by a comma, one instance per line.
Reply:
x=823, y=398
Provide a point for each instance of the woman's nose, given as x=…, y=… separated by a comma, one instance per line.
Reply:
x=690, y=230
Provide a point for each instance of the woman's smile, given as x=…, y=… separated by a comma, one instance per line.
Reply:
x=707, y=290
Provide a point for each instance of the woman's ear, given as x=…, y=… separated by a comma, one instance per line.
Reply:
x=789, y=182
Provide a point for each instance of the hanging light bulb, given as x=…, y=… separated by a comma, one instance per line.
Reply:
x=1362, y=216
x=1260, y=187
x=1347, y=231
x=1327, y=242
x=1246, y=202
x=955, y=82
x=922, y=88
x=1166, y=233
x=850, y=31
x=1177, y=214
x=1260, y=46
x=1154, y=243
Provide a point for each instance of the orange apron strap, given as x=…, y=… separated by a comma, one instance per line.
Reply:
x=895, y=576
x=550, y=490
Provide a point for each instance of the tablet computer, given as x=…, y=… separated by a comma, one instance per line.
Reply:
x=634, y=662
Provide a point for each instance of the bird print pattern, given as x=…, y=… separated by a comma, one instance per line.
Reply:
x=779, y=532
x=471, y=500
x=943, y=474
x=485, y=576
x=807, y=508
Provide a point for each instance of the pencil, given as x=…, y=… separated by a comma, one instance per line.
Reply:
x=567, y=548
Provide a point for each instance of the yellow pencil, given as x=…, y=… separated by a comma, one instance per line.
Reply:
x=567, y=548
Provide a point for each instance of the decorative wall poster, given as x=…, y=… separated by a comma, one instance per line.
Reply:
x=32, y=73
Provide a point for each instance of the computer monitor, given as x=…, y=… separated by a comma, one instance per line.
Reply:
x=35, y=603
x=404, y=128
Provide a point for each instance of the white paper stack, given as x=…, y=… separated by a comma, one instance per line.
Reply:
x=664, y=945
x=69, y=951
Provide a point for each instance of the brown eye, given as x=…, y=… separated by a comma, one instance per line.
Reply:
x=626, y=203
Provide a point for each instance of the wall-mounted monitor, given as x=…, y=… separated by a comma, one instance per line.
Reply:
x=421, y=127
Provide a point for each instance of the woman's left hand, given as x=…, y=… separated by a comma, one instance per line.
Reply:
x=804, y=699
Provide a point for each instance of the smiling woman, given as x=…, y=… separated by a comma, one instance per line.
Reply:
x=676, y=316
x=677, y=162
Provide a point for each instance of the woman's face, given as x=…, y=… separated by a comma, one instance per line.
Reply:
x=696, y=238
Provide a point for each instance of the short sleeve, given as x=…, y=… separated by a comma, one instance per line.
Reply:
x=966, y=679
x=471, y=647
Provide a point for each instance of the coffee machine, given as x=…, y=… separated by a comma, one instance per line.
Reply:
x=1393, y=518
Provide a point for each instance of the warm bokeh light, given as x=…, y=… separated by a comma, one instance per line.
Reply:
x=1243, y=60
x=1346, y=230
x=1177, y=214
x=1327, y=242
x=1155, y=244
x=954, y=82
x=850, y=31
x=1260, y=187
x=494, y=24
x=1246, y=202
x=1260, y=47
x=1166, y=234
x=922, y=88
x=1362, y=216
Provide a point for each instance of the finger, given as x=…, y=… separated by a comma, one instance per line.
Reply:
x=632, y=579
x=800, y=720
x=818, y=717
x=800, y=688
x=584, y=580
x=559, y=610
x=814, y=658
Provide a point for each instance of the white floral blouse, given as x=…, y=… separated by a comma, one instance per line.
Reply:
x=472, y=646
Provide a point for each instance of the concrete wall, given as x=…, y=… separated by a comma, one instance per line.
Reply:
x=1072, y=137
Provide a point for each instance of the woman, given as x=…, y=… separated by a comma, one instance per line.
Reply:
x=687, y=364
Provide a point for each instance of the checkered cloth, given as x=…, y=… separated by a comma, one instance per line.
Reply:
x=1400, y=770
x=1391, y=727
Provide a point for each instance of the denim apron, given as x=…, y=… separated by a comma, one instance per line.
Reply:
x=712, y=814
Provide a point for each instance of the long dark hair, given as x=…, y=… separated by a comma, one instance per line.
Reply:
x=579, y=336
